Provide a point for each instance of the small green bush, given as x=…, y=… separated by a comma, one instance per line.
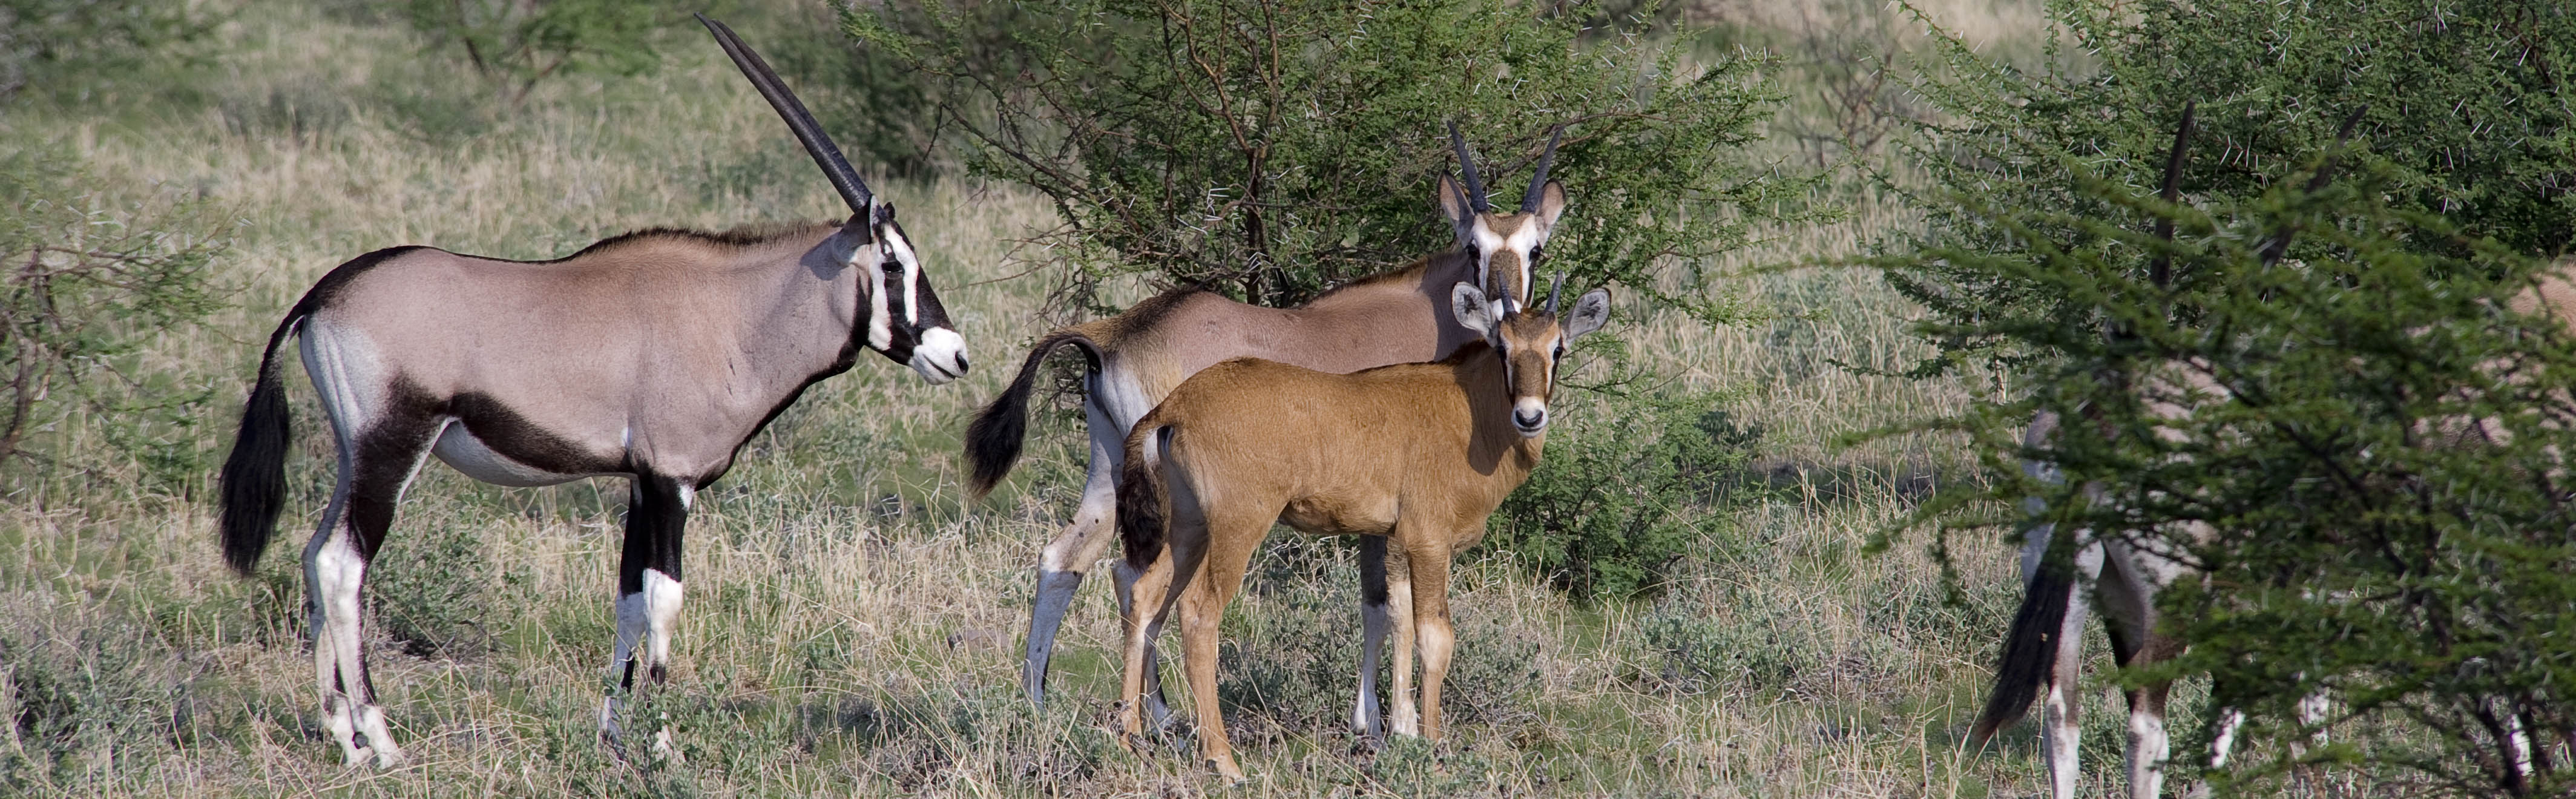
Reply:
x=1627, y=487
x=83, y=288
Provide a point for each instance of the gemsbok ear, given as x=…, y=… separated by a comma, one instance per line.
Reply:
x=1551, y=204
x=1468, y=304
x=1589, y=314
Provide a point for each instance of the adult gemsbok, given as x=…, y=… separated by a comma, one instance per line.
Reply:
x=1135, y=358
x=652, y=355
x=1413, y=455
x=2043, y=652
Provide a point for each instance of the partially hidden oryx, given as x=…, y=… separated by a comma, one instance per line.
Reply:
x=654, y=355
x=2043, y=657
x=1135, y=358
x=1413, y=455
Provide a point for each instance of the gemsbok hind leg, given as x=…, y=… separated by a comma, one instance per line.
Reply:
x=648, y=596
x=1072, y=553
x=375, y=466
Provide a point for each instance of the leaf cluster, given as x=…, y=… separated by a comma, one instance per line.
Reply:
x=1273, y=148
x=2357, y=453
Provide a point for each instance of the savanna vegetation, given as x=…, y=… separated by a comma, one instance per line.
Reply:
x=1698, y=596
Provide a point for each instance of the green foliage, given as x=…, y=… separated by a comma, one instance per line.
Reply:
x=1272, y=148
x=516, y=44
x=1628, y=485
x=83, y=288
x=83, y=704
x=2465, y=109
x=2360, y=451
x=66, y=46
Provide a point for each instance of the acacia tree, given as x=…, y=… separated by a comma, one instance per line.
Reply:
x=1271, y=148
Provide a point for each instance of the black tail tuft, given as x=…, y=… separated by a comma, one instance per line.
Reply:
x=993, y=439
x=1141, y=511
x=2030, y=649
x=254, y=476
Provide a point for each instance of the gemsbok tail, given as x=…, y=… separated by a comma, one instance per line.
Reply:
x=254, y=477
x=993, y=439
x=2030, y=648
x=1142, y=510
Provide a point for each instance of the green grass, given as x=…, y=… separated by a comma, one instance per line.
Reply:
x=853, y=623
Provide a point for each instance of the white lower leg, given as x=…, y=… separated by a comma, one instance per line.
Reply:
x=2058, y=738
x=1364, y=711
x=623, y=674
x=336, y=573
x=661, y=619
x=1407, y=714
x=2149, y=747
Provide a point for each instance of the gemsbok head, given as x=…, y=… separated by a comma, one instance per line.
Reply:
x=1413, y=455
x=1135, y=358
x=653, y=355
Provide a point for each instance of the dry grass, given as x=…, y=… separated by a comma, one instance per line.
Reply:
x=853, y=626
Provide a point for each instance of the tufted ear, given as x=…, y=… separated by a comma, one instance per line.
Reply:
x=1468, y=304
x=1589, y=314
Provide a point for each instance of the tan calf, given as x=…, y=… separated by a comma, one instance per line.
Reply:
x=1417, y=454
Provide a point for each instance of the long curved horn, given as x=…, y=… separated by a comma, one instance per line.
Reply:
x=1554, y=290
x=1467, y=166
x=1538, y=181
x=818, y=144
x=2161, y=270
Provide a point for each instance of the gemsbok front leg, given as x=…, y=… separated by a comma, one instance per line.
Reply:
x=648, y=596
x=1429, y=556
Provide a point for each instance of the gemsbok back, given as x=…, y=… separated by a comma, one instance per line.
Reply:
x=652, y=355
x=1135, y=358
x=1415, y=455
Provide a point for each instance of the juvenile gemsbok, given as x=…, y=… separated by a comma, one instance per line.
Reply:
x=652, y=355
x=1135, y=358
x=1416, y=455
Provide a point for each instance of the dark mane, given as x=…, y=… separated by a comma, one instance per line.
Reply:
x=744, y=236
x=1410, y=272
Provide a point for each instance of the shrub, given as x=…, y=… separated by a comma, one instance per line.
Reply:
x=82, y=289
x=1628, y=486
x=2462, y=103
x=2376, y=454
x=1272, y=148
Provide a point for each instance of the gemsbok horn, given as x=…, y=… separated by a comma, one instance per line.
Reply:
x=1415, y=455
x=1136, y=357
x=653, y=355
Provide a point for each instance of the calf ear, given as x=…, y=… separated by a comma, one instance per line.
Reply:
x=1589, y=314
x=1468, y=304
